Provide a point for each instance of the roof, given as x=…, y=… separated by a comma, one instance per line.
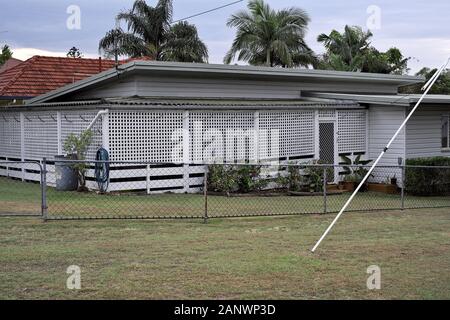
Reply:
x=189, y=103
x=39, y=75
x=10, y=63
x=398, y=100
x=212, y=70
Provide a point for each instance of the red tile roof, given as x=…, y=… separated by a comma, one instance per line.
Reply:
x=10, y=63
x=39, y=75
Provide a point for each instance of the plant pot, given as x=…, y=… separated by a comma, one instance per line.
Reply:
x=349, y=185
x=383, y=188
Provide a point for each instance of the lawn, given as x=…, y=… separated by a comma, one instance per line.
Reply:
x=24, y=198
x=245, y=258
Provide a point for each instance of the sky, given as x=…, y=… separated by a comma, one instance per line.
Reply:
x=420, y=28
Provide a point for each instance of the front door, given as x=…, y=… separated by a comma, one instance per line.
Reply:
x=327, y=144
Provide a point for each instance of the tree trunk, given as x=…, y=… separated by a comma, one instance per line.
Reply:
x=268, y=59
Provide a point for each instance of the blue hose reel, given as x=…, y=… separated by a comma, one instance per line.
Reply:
x=102, y=169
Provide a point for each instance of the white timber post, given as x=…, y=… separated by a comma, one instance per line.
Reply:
x=59, y=132
x=105, y=131
x=316, y=135
x=255, y=157
x=22, y=142
x=186, y=148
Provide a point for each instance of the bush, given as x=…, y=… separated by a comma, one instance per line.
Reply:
x=229, y=178
x=428, y=181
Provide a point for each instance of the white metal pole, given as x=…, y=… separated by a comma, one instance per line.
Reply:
x=435, y=77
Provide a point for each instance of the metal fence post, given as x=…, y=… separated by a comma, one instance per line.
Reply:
x=205, y=194
x=325, y=210
x=403, y=186
x=44, y=207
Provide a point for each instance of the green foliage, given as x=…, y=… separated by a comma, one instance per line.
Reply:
x=351, y=51
x=151, y=35
x=428, y=181
x=5, y=55
x=77, y=147
x=441, y=86
x=314, y=175
x=230, y=178
x=271, y=38
x=184, y=45
x=353, y=174
x=221, y=178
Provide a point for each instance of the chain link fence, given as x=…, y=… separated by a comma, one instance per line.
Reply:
x=138, y=190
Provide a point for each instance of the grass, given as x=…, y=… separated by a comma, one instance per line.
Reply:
x=245, y=258
x=24, y=198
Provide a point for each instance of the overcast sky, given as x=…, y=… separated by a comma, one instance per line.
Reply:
x=420, y=28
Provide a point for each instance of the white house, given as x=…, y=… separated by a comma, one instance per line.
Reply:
x=163, y=113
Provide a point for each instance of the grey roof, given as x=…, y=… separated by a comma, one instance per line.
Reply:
x=398, y=100
x=235, y=71
x=189, y=103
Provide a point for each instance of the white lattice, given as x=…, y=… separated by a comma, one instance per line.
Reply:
x=296, y=133
x=143, y=136
x=221, y=136
x=77, y=121
x=10, y=135
x=352, y=126
x=40, y=133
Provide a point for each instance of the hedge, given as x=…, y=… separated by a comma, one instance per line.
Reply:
x=428, y=181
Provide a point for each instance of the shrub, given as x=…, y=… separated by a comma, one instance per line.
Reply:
x=428, y=181
x=221, y=178
x=77, y=147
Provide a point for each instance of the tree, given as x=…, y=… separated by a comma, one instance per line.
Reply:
x=5, y=55
x=268, y=37
x=150, y=34
x=74, y=52
x=77, y=147
x=441, y=86
x=352, y=51
x=184, y=45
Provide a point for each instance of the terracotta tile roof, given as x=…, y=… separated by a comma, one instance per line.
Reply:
x=10, y=63
x=39, y=75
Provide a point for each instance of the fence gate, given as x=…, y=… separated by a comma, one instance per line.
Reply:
x=20, y=188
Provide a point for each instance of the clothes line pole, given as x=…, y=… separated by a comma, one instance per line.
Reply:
x=427, y=88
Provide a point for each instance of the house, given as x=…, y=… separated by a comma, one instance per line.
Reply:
x=10, y=63
x=20, y=81
x=191, y=114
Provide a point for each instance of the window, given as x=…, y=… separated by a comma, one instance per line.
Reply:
x=446, y=132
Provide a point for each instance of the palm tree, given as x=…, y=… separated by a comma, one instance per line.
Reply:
x=351, y=51
x=184, y=45
x=150, y=34
x=147, y=28
x=268, y=37
x=346, y=51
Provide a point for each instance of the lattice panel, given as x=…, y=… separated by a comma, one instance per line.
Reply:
x=352, y=126
x=77, y=121
x=41, y=132
x=327, y=114
x=10, y=135
x=296, y=133
x=144, y=136
x=221, y=136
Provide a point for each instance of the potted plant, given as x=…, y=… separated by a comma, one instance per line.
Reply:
x=354, y=175
x=394, y=180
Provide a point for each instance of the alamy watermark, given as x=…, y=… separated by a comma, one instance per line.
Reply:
x=73, y=22
x=74, y=280
x=374, y=279
x=374, y=20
